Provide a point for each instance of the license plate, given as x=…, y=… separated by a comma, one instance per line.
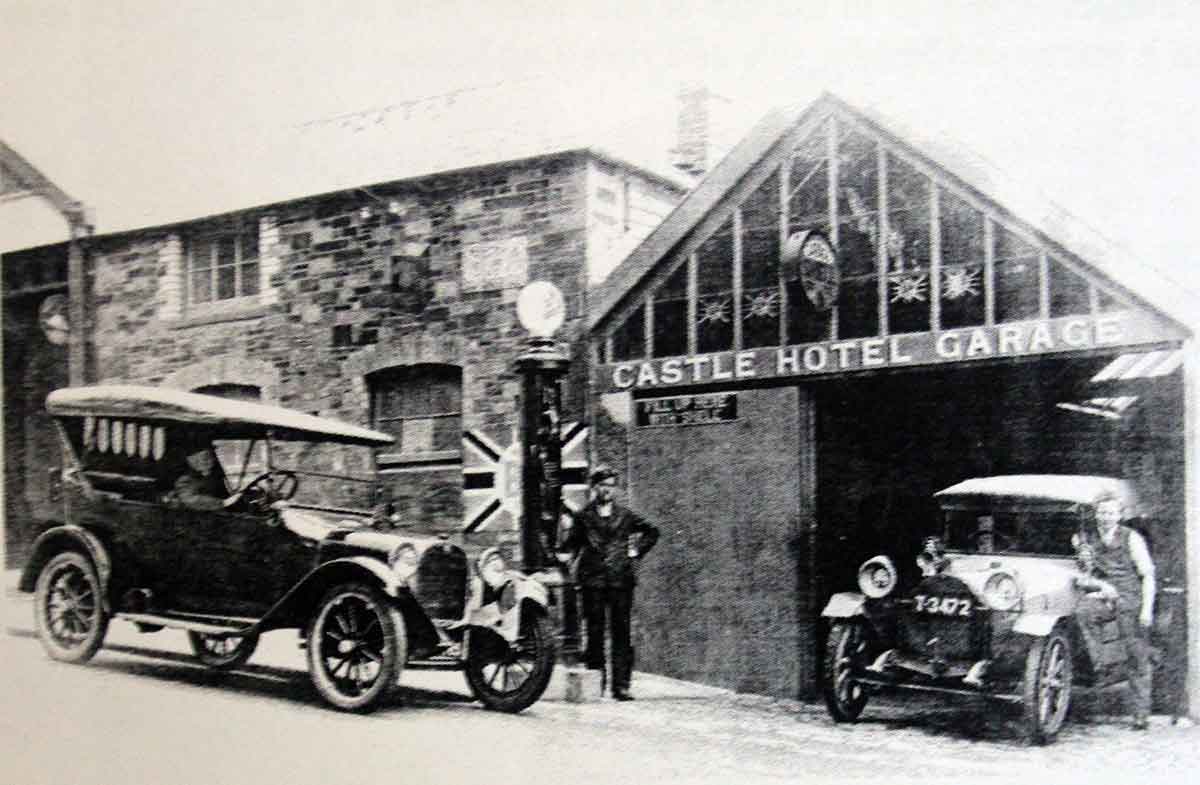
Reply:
x=942, y=606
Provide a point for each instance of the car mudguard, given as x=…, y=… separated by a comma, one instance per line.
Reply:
x=844, y=605
x=308, y=591
x=68, y=537
x=507, y=623
x=1037, y=624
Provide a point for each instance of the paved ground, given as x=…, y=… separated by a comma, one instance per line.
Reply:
x=143, y=712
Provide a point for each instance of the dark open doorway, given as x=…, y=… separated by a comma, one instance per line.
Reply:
x=886, y=443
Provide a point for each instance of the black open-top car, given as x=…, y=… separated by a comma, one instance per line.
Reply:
x=368, y=595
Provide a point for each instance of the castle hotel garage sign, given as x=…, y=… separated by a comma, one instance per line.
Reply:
x=1017, y=339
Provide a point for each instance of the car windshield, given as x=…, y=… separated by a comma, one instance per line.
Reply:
x=1036, y=532
x=330, y=475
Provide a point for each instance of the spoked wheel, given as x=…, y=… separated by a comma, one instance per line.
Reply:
x=67, y=609
x=357, y=647
x=845, y=650
x=511, y=677
x=1047, y=687
x=222, y=652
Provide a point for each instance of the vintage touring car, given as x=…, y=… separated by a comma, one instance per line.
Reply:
x=1003, y=608
x=368, y=595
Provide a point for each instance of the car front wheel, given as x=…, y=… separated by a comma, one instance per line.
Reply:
x=511, y=677
x=1047, y=687
x=67, y=608
x=845, y=650
x=357, y=646
x=222, y=652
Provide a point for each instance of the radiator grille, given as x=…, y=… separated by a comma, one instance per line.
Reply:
x=951, y=636
x=441, y=582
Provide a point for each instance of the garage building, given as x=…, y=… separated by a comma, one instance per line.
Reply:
x=836, y=323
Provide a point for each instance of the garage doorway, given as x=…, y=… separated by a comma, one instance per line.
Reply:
x=886, y=443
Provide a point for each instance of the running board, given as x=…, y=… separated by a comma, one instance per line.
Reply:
x=177, y=623
x=435, y=664
x=907, y=685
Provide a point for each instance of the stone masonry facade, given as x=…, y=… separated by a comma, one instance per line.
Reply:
x=421, y=271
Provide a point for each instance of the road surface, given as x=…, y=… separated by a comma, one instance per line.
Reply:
x=143, y=712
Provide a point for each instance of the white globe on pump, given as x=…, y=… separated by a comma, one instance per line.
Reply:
x=541, y=308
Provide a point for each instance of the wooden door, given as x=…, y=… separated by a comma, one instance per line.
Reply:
x=726, y=599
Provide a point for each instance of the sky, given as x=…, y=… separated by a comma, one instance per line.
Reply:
x=147, y=111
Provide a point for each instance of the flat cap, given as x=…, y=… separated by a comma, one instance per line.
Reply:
x=601, y=473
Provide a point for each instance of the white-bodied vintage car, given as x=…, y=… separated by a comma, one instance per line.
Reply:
x=1003, y=608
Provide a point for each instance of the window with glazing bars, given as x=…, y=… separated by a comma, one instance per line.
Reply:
x=223, y=265
x=421, y=407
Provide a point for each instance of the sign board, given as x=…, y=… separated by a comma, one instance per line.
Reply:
x=705, y=409
x=1015, y=339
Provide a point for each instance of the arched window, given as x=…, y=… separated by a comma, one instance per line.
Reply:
x=421, y=406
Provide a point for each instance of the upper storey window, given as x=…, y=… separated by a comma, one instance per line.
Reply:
x=223, y=265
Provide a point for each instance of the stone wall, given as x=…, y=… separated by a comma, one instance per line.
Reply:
x=418, y=271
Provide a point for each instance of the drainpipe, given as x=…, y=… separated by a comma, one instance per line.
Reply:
x=77, y=356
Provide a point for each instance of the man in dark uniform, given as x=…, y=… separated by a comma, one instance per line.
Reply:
x=609, y=540
x=201, y=487
x=1119, y=557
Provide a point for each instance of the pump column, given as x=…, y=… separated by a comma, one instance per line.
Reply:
x=541, y=310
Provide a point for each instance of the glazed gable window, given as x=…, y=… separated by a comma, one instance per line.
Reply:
x=421, y=407
x=223, y=265
x=914, y=250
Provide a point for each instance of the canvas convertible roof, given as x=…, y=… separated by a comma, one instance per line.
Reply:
x=1066, y=489
x=230, y=419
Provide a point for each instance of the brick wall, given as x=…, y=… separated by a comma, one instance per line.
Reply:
x=360, y=281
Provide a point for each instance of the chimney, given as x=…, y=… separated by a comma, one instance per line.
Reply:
x=693, y=128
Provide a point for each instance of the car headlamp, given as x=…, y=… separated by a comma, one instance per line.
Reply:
x=492, y=568
x=1002, y=592
x=403, y=561
x=877, y=577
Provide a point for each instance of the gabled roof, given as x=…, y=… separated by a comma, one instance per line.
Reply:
x=1058, y=228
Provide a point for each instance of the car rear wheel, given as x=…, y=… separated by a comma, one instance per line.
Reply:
x=1047, y=688
x=222, y=652
x=511, y=677
x=845, y=651
x=68, y=611
x=357, y=646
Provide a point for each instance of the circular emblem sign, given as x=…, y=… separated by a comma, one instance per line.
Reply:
x=54, y=321
x=541, y=308
x=809, y=257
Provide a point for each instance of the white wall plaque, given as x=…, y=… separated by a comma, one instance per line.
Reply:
x=499, y=264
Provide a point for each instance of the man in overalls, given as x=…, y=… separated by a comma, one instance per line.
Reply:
x=1121, y=558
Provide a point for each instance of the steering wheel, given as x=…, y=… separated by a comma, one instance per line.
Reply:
x=269, y=487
